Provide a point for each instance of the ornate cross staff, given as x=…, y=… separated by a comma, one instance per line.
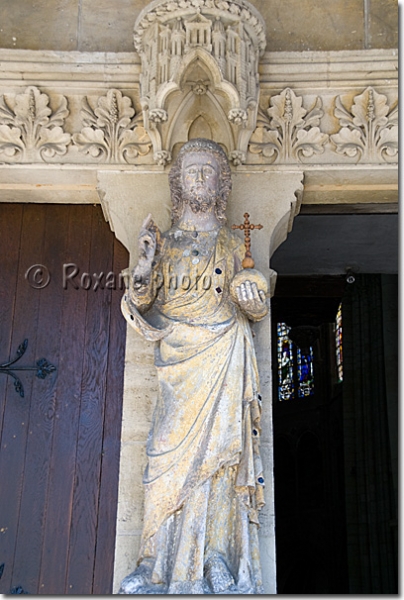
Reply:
x=247, y=227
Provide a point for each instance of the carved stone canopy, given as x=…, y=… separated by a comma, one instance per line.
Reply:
x=199, y=73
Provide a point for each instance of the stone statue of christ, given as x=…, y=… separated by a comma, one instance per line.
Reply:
x=203, y=481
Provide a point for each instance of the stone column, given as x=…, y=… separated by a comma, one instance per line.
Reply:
x=127, y=198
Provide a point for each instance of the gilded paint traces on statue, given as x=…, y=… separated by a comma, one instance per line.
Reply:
x=203, y=482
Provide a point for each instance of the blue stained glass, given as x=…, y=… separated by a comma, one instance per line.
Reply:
x=295, y=367
x=285, y=363
x=305, y=373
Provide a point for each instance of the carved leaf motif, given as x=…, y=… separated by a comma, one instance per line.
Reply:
x=286, y=107
x=59, y=115
x=348, y=141
x=7, y=117
x=87, y=114
x=370, y=106
x=345, y=118
x=162, y=157
x=388, y=142
x=91, y=141
x=311, y=141
x=10, y=140
x=111, y=133
x=291, y=132
x=114, y=108
x=393, y=116
x=369, y=131
x=314, y=116
x=134, y=143
x=266, y=142
x=30, y=129
x=53, y=141
x=32, y=106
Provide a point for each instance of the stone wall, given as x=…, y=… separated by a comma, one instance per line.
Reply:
x=292, y=25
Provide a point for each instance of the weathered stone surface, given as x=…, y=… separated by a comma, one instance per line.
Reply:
x=313, y=25
x=125, y=557
x=110, y=26
x=40, y=25
x=140, y=389
x=383, y=24
x=291, y=24
x=131, y=502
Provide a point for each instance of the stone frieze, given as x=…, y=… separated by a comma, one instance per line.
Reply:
x=44, y=126
x=112, y=131
x=30, y=129
x=288, y=132
x=369, y=129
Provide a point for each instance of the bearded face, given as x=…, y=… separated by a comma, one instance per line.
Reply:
x=199, y=199
x=201, y=178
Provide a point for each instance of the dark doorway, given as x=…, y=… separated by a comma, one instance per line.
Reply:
x=60, y=440
x=308, y=438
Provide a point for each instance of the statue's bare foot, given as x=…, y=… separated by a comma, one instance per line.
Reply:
x=136, y=581
x=219, y=576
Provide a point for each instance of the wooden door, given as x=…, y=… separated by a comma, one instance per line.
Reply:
x=59, y=445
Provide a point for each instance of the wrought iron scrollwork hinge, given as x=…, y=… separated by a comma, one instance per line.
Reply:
x=42, y=368
x=18, y=590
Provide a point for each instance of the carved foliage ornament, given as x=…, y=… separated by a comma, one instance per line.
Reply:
x=369, y=131
x=289, y=132
x=29, y=129
x=32, y=129
x=111, y=131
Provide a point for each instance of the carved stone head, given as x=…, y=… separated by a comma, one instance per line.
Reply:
x=221, y=190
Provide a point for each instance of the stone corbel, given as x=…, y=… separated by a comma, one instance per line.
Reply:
x=271, y=198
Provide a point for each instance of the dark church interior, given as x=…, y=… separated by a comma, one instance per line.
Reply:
x=335, y=407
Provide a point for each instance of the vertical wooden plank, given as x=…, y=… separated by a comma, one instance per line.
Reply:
x=108, y=497
x=10, y=234
x=43, y=406
x=17, y=413
x=89, y=443
x=61, y=482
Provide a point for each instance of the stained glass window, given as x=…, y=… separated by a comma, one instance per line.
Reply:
x=285, y=363
x=338, y=343
x=295, y=367
x=305, y=372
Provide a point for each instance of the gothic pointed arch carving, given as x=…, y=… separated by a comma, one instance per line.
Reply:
x=194, y=106
x=176, y=40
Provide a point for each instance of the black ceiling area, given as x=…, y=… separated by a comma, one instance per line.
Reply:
x=335, y=244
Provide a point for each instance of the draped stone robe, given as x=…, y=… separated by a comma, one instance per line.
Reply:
x=203, y=481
